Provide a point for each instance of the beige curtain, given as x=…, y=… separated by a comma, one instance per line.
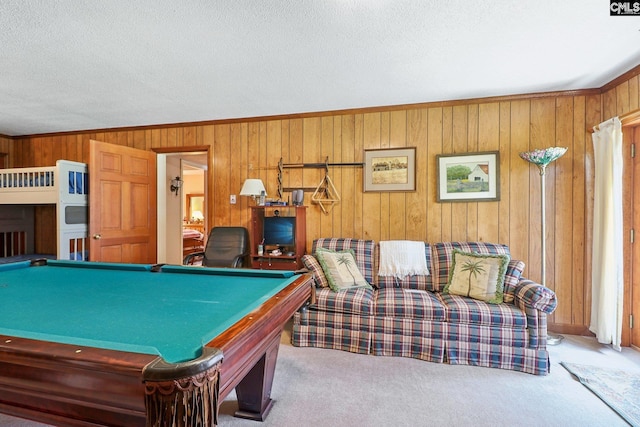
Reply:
x=607, y=271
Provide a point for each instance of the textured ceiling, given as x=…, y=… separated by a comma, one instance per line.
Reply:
x=78, y=64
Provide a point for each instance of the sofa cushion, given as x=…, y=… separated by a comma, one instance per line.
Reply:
x=408, y=303
x=355, y=301
x=363, y=250
x=340, y=269
x=312, y=264
x=443, y=255
x=460, y=309
x=479, y=276
x=512, y=278
x=422, y=282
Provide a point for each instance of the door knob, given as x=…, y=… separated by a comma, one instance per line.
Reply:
x=97, y=236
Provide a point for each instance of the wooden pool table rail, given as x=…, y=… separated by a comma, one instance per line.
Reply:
x=66, y=384
x=73, y=385
x=251, y=372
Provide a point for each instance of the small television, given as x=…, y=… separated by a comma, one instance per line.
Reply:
x=279, y=231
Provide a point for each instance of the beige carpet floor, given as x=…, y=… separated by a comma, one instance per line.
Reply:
x=316, y=387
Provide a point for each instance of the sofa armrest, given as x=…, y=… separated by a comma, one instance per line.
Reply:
x=534, y=295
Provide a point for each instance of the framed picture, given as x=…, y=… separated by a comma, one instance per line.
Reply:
x=470, y=177
x=390, y=169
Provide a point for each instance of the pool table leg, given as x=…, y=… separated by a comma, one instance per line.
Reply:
x=254, y=391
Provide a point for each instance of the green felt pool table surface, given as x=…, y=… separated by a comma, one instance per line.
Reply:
x=81, y=343
x=127, y=307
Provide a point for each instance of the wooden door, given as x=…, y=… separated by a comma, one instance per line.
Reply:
x=633, y=293
x=122, y=204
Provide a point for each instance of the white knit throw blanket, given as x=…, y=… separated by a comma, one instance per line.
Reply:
x=402, y=258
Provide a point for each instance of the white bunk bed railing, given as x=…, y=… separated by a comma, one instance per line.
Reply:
x=28, y=179
x=76, y=248
x=67, y=182
x=65, y=185
x=29, y=185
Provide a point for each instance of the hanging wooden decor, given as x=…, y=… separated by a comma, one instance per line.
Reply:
x=326, y=194
x=282, y=166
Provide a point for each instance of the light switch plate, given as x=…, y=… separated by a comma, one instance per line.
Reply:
x=232, y=199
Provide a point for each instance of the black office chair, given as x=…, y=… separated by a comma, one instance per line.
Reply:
x=226, y=247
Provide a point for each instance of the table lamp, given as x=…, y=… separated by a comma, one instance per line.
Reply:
x=254, y=188
x=197, y=216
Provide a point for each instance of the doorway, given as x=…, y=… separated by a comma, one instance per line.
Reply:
x=190, y=165
x=194, y=208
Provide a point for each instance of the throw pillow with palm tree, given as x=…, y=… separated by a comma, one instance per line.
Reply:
x=341, y=270
x=348, y=262
x=474, y=268
x=478, y=276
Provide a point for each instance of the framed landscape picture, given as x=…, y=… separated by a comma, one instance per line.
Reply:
x=470, y=177
x=390, y=169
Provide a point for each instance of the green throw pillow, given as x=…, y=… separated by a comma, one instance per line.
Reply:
x=341, y=270
x=478, y=276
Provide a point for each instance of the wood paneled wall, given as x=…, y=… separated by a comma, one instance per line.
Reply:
x=252, y=148
x=5, y=147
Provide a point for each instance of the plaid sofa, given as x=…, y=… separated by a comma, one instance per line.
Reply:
x=413, y=318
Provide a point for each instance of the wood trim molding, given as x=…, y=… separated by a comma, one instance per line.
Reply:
x=621, y=79
x=582, y=92
x=581, y=330
x=185, y=149
x=629, y=119
x=363, y=110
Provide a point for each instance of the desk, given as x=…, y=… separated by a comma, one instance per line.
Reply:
x=78, y=339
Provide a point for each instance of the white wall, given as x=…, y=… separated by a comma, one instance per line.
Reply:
x=173, y=213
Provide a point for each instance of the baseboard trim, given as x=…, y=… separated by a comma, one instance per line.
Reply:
x=570, y=329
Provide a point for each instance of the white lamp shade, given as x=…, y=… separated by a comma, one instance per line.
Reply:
x=252, y=187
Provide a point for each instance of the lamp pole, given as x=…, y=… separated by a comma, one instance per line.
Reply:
x=541, y=158
x=543, y=249
x=552, y=339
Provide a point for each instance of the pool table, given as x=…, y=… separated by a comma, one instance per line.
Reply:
x=87, y=343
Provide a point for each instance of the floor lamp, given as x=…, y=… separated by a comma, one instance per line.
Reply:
x=541, y=158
